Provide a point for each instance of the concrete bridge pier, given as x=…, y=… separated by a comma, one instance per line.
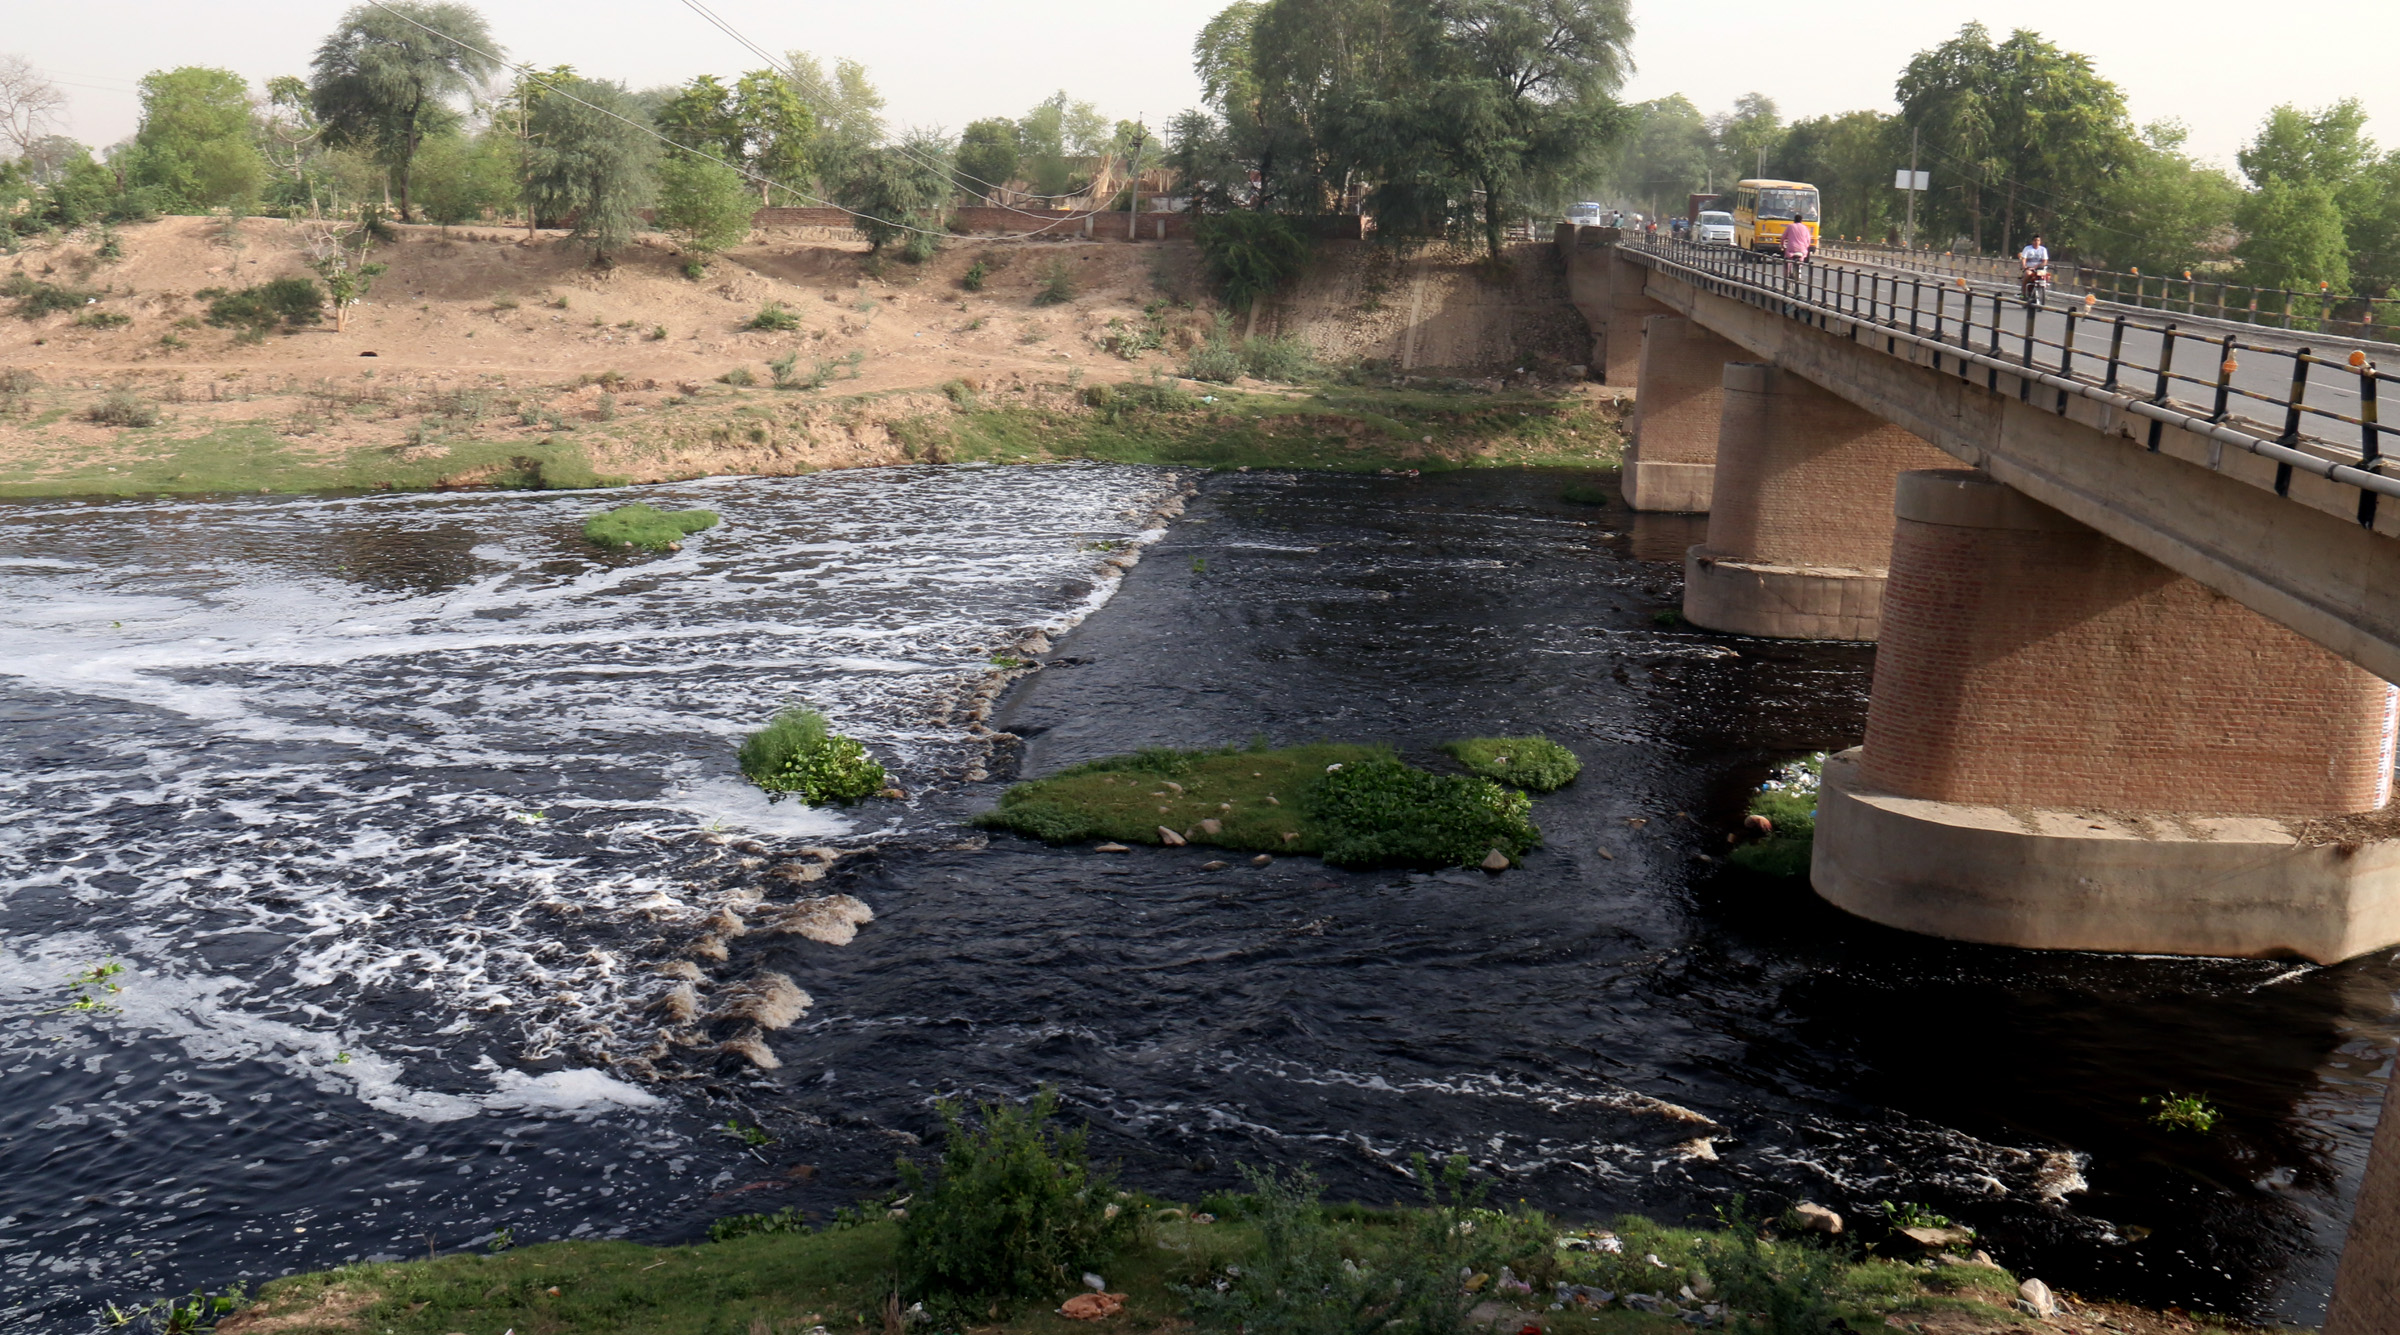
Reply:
x=1671, y=462
x=2071, y=747
x=1800, y=519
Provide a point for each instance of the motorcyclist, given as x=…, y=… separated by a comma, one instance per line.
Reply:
x=2035, y=258
x=1798, y=240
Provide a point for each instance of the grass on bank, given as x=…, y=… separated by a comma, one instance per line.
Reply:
x=646, y=527
x=799, y=755
x=254, y=458
x=1787, y=804
x=993, y=1236
x=1354, y=806
x=1535, y=764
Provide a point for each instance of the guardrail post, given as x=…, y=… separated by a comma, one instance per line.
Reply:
x=2066, y=353
x=2225, y=369
x=2291, y=418
x=2116, y=350
x=1916, y=298
x=2370, y=449
x=2025, y=385
x=2166, y=365
x=1941, y=296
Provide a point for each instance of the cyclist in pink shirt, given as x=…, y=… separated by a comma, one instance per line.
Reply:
x=1797, y=241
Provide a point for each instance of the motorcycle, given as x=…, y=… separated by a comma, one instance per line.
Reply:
x=2037, y=287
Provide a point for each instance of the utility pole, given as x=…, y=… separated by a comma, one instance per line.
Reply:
x=1133, y=186
x=1908, y=238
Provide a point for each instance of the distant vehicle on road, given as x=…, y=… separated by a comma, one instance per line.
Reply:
x=1715, y=228
x=1762, y=209
x=1586, y=214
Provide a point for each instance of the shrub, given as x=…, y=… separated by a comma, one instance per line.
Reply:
x=103, y=320
x=1159, y=394
x=1250, y=254
x=1216, y=359
x=36, y=299
x=123, y=408
x=960, y=393
x=1788, y=801
x=797, y=755
x=976, y=273
x=1014, y=1214
x=1058, y=285
x=1286, y=359
x=639, y=525
x=2183, y=1112
x=774, y=318
x=1535, y=764
x=1382, y=813
x=1787, y=1288
x=781, y=368
x=291, y=302
x=739, y=376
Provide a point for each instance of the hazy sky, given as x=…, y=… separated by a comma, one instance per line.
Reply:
x=2210, y=63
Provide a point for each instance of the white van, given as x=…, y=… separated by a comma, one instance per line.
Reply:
x=1586, y=214
x=1714, y=228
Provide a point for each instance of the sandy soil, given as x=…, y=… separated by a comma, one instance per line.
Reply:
x=504, y=337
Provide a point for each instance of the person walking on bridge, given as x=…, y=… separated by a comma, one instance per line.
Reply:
x=1797, y=242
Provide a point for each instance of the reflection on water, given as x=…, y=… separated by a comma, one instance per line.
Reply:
x=388, y=804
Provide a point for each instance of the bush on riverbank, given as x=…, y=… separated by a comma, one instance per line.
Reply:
x=1535, y=764
x=1014, y=1214
x=1787, y=802
x=639, y=525
x=1354, y=806
x=797, y=754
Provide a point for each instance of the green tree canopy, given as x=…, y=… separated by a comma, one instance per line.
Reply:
x=1744, y=143
x=987, y=157
x=902, y=193
x=384, y=81
x=847, y=109
x=592, y=161
x=2292, y=237
x=1849, y=159
x=459, y=179
x=194, y=146
x=1665, y=156
x=706, y=206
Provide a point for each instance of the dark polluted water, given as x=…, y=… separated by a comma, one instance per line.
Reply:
x=389, y=803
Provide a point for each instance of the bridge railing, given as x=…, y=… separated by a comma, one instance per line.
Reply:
x=2322, y=418
x=2323, y=311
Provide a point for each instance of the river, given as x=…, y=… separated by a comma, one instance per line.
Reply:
x=389, y=805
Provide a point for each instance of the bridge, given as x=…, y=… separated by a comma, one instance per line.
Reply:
x=2134, y=580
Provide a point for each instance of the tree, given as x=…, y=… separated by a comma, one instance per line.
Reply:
x=848, y=112
x=460, y=179
x=2019, y=135
x=2292, y=237
x=1849, y=159
x=700, y=118
x=987, y=157
x=385, y=79
x=593, y=162
x=31, y=107
x=704, y=205
x=1743, y=142
x=1507, y=97
x=46, y=158
x=194, y=146
x=1203, y=160
x=1059, y=135
x=901, y=193
x=2166, y=212
x=341, y=260
x=2329, y=148
x=1665, y=156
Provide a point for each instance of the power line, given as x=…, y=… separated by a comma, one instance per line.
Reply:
x=761, y=52
x=528, y=73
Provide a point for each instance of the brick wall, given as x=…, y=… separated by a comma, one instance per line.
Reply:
x=1805, y=478
x=2027, y=660
x=1681, y=388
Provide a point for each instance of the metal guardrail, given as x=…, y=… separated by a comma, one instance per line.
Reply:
x=2373, y=319
x=2127, y=362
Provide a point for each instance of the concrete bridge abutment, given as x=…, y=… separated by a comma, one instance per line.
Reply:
x=2071, y=747
x=1671, y=462
x=1800, y=518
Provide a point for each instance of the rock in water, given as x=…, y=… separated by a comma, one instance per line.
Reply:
x=1169, y=837
x=1815, y=1218
x=1495, y=861
x=1263, y=860
x=2034, y=1296
x=1933, y=1239
x=1212, y=866
x=1112, y=848
x=831, y=919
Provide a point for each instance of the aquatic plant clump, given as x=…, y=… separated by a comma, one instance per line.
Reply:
x=639, y=525
x=1382, y=813
x=796, y=754
x=1535, y=764
x=1787, y=803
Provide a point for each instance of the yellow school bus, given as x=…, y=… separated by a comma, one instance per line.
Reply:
x=1762, y=209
